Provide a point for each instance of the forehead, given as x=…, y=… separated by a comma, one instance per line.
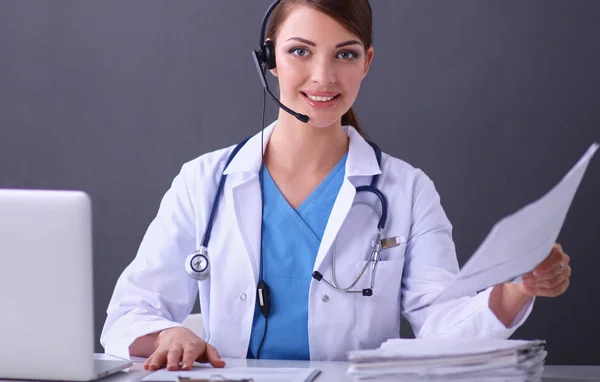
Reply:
x=310, y=24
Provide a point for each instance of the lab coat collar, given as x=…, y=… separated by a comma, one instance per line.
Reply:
x=361, y=159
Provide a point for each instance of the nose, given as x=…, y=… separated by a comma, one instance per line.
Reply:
x=323, y=71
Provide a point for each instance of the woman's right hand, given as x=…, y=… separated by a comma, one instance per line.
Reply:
x=180, y=345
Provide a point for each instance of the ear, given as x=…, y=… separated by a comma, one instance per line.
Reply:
x=369, y=58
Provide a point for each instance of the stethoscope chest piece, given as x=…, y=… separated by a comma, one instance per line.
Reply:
x=197, y=264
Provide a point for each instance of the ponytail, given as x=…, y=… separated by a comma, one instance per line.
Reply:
x=350, y=118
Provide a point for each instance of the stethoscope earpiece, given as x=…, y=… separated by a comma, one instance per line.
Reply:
x=197, y=264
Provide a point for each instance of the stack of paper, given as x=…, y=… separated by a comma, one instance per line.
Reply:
x=450, y=359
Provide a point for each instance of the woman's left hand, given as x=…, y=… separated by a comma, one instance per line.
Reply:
x=550, y=278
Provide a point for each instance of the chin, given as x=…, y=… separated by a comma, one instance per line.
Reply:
x=323, y=122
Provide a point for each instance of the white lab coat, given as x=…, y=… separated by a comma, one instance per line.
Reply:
x=155, y=292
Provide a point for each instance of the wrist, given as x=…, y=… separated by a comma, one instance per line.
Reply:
x=507, y=300
x=518, y=291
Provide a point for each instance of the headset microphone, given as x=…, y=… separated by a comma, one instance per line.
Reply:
x=264, y=59
x=301, y=117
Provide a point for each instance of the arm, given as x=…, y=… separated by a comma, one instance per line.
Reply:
x=431, y=264
x=154, y=292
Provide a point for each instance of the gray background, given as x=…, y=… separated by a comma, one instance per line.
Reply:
x=494, y=100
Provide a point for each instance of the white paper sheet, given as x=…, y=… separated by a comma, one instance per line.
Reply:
x=257, y=374
x=520, y=241
x=436, y=348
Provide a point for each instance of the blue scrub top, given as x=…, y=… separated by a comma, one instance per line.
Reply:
x=291, y=240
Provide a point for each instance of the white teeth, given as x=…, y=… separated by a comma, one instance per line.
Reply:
x=319, y=99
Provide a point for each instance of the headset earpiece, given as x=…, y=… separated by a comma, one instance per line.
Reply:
x=268, y=53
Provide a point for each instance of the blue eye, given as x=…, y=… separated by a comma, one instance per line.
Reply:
x=300, y=52
x=348, y=55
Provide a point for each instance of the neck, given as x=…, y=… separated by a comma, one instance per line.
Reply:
x=300, y=147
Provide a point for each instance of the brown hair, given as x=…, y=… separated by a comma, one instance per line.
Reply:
x=354, y=15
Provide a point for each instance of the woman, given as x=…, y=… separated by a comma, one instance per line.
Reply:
x=312, y=215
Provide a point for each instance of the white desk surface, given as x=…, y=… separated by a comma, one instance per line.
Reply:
x=336, y=371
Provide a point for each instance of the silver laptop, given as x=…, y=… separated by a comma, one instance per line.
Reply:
x=46, y=288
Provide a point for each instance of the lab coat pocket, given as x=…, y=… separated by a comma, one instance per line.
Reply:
x=378, y=316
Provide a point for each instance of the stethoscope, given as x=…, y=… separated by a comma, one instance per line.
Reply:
x=197, y=263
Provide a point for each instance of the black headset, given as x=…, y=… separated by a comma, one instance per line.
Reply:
x=264, y=59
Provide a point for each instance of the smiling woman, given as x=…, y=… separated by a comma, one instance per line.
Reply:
x=327, y=75
x=296, y=216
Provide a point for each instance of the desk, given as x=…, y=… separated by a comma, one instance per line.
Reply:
x=336, y=371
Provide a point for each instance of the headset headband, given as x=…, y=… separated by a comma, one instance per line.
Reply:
x=263, y=31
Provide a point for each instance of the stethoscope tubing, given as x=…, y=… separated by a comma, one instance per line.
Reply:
x=373, y=258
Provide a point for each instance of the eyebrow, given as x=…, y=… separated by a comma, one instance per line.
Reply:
x=308, y=42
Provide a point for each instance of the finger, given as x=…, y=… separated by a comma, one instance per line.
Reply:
x=190, y=354
x=562, y=288
x=528, y=277
x=551, y=283
x=173, y=358
x=148, y=362
x=204, y=357
x=551, y=273
x=555, y=292
x=214, y=357
x=159, y=358
x=550, y=261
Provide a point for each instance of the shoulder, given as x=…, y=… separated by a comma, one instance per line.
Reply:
x=413, y=191
x=396, y=174
x=206, y=166
x=404, y=174
x=198, y=179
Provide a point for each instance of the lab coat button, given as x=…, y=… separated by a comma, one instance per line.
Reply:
x=325, y=298
x=243, y=297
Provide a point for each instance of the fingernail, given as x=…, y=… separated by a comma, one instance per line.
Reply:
x=185, y=366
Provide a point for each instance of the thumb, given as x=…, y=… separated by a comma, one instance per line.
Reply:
x=214, y=357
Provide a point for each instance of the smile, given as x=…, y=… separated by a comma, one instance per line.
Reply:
x=321, y=101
